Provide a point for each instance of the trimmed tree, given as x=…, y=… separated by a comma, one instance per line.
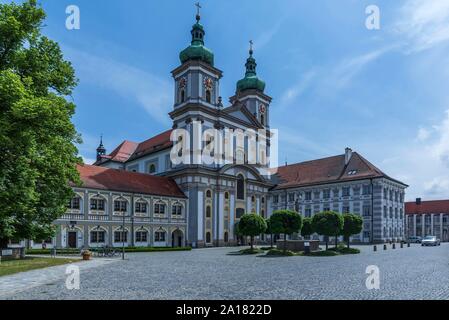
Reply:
x=285, y=222
x=269, y=231
x=328, y=223
x=38, y=153
x=252, y=225
x=352, y=224
x=307, y=227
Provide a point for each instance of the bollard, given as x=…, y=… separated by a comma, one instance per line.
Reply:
x=408, y=244
x=385, y=247
x=393, y=246
x=402, y=244
x=375, y=248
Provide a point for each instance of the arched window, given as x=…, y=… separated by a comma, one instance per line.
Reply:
x=208, y=194
x=240, y=187
x=208, y=238
x=239, y=212
x=262, y=119
x=183, y=96
x=263, y=200
x=208, y=211
x=159, y=235
x=159, y=208
x=226, y=195
x=141, y=207
x=74, y=203
x=208, y=96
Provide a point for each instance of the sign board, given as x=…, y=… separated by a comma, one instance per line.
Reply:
x=7, y=252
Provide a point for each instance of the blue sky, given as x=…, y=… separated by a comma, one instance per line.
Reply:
x=334, y=83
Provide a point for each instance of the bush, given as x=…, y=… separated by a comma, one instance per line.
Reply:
x=325, y=253
x=250, y=251
x=348, y=250
x=277, y=252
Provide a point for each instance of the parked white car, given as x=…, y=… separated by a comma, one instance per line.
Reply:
x=430, y=241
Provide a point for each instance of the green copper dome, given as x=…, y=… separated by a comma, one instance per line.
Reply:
x=250, y=81
x=197, y=50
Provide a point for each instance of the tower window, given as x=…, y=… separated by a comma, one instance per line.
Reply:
x=262, y=119
x=208, y=96
x=183, y=95
x=240, y=187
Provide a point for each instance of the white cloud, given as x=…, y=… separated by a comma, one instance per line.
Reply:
x=423, y=134
x=153, y=94
x=423, y=164
x=424, y=24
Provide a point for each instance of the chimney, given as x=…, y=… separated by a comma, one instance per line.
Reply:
x=348, y=154
x=418, y=201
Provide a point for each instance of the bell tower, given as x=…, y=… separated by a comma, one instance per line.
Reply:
x=250, y=91
x=196, y=80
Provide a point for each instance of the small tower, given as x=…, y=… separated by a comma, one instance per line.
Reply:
x=196, y=80
x=250, y=91
x=101, y=150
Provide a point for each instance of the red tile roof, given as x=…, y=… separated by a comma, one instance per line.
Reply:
x=156, y=143
x=435, y=206
x=327, y=170
x=119, y=180
x=123, y=151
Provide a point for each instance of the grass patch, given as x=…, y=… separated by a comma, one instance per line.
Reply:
x=117, y=249
x=266, y=248
x=31, y=263
x=250, y=251
x=154, y=249
x=277, y=252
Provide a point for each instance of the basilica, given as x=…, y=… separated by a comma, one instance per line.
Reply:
x=135, y=195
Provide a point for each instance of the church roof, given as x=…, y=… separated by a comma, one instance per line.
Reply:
x=123, y=151
x=434, y=206
x=326, y=170
x=154, y=144
x=96, y=177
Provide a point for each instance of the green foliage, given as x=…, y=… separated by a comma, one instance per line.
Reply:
x=251, y=225
x=37, y=138
x=307, y=227
x=277, y=252
x=345, y=250
x=250, y=251
x=328, y=223
x=352, y=224
x=286, y=222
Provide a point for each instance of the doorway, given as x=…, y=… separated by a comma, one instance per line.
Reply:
x=71, y=236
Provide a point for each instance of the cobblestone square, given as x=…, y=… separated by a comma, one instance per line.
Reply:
x=409, y=273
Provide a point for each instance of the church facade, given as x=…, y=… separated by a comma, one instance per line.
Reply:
x=136, y=194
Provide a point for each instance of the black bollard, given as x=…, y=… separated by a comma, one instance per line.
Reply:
x=375, y=248
x=402, y=244
x=408, y=244
x=385, y=247
x=393, y=246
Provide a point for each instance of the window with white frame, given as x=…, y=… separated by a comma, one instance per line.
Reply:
x=345, y=192
x=120, y=205
x=176, y=210
x=308, y=195
x=120, y=236
x=141, y=236
x=159, y=208
x=326, y=193
x=97, y=204
x=141, y=207
x=74, y=203
x=97, y=236
x=366, y=189
x=159, y=236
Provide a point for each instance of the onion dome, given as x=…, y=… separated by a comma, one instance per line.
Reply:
x=250, y=81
